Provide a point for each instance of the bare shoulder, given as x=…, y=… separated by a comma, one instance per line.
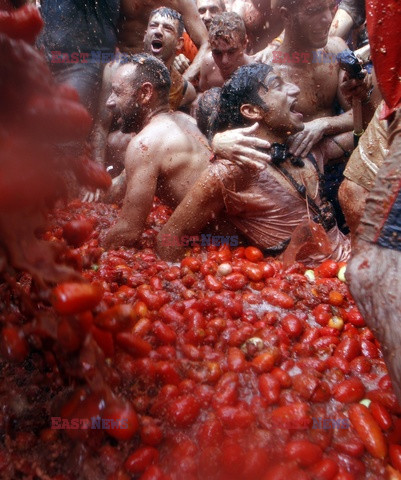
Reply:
x=336, y=45
x=207, y=63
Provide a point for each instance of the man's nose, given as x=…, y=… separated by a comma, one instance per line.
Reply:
x=207, y=15
x=110, y=104
x=293, y=89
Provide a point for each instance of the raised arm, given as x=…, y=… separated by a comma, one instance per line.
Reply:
x=142, y=170
x=197, y=31
x=201, y=205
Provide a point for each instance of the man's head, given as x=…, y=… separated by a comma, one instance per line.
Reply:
x=307, y=22
x=255, y=93
x=163, y=36
x=208, y=9
x=228, y=41
x=140, y=85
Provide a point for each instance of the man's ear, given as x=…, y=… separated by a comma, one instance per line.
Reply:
x=180, y=44
x=251, y=112
x=284, y=13
x=146, y=92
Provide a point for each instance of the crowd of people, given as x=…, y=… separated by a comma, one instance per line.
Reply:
x=239, y=115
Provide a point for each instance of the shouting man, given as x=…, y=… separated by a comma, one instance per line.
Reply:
x=266, y=206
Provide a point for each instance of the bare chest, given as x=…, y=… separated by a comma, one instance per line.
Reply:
x=318, y=87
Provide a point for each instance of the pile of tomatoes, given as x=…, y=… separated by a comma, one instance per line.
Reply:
x=223, y=366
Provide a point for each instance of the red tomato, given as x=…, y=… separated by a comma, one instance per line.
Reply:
x=71, y=298
x=328, y=269
x=253, y=254
x=349, y=391
x=305, y=453
x=368, y=430
x=141, y=459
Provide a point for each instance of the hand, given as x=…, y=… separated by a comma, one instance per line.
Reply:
x=356, y=88
x=302, y=142
x=240, y=146
x=265, y=55
x=89, y=196
x=181, y=63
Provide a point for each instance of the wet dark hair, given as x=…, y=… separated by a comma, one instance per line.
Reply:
x=169, y=13
x=152, y=70
x=206, y=111
x=242, y=87
x=224, y=24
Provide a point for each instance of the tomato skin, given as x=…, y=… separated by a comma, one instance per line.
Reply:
x=395, y=456
x=123, y=413
x=183, y=411
x=381, y=415
x=322, y=314
x=236, y=360
x=349, y=348
x=325, y=469
x=292, y=325
x=305, y=453
x=140, y=459
x=295, y=415
x=13, y=344
x=368, y=430
x=235, y=417
x=133, y=344
x=354, y=317
x=253, y=254
x=164, y=333
x=265, y=361
x=269, y=387
x=277, y=298
x=70, y=298
x=116, y=318
x=349, y=391
x=78, y=231
x=327, y=269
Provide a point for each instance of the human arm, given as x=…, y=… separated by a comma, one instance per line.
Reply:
x=189, y=96
x=142, y=170
x=341, y=25
x=197, y=31
x=302, y=142
x=241, y=147
x=202, y=203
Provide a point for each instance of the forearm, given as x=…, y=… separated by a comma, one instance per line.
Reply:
x=193, y=70
x=99, y=143
x=338, y=124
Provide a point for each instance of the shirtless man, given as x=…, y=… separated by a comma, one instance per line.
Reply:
x=262, y=21
x=307, y=57
x=228, y=43
x=164, y=158
x=163, y=37
x=134, y=18
x=208, y=9
x=265, y=205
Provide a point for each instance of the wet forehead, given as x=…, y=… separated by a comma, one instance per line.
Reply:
x=159, y=19
x=208, y=4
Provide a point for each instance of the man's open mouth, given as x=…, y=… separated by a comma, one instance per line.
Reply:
x=293, y=109
x=157, y=45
